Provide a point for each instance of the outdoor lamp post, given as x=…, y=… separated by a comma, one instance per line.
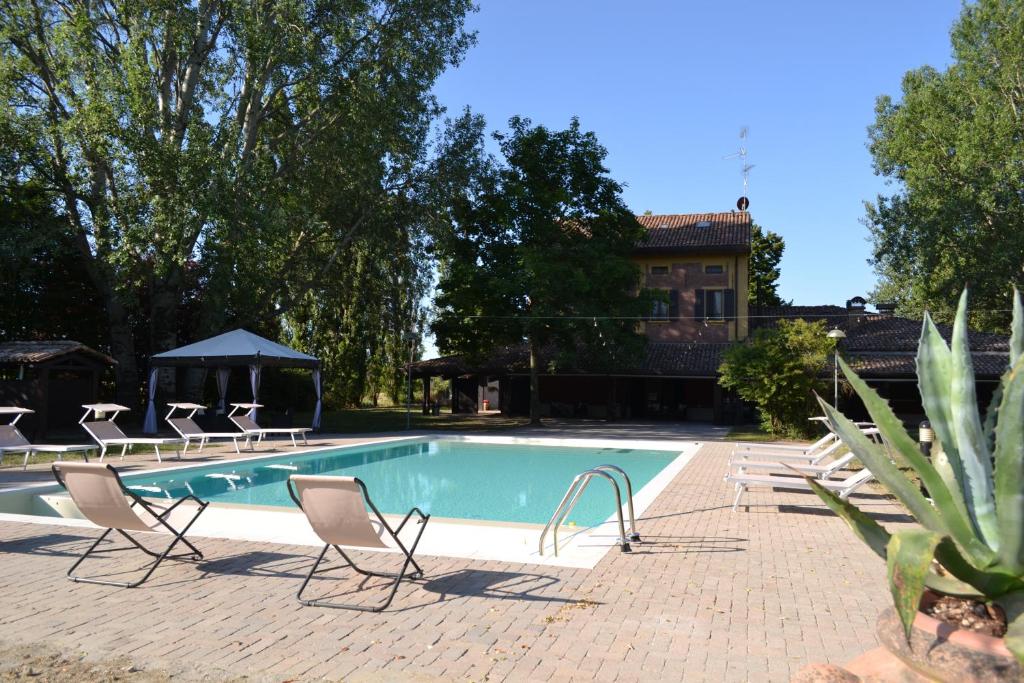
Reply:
x=836, y=334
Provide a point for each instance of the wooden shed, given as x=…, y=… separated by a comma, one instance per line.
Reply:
x=53, y=378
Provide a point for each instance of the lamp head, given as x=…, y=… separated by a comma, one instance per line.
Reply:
x=836, y=334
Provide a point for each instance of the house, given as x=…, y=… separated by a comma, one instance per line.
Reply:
x=701, y=263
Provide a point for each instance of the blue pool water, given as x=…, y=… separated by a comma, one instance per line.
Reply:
x=509, y=483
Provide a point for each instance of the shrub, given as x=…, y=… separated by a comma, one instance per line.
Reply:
x=779, y=369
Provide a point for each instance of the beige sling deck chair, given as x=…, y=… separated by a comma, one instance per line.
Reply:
x=249, y=426
x=103, y=499
x=106, y=432
x=190, y=431
x=336, y=509
x=13, y=441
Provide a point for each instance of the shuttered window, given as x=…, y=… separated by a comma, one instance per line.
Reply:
x=715, y=304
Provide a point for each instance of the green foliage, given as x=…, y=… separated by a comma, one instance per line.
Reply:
x=974, y=522
x=766, y=249
x=535, y=249
x=262, y=164
x=952, y=147
x=779, y=369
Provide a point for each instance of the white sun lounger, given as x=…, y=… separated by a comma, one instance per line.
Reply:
x=190, y=431
x=249, y=426
x=814, y=458
x=842, y=487
x=13, y=441
x=818, y=471
x=106, y=432
x=810, y=451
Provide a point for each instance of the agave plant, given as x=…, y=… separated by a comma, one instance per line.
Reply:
x=971, y=537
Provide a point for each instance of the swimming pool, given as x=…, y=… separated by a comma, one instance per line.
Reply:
x=444, y=477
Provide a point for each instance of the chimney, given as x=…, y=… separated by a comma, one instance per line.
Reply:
x=855, y=309
x=886, y=308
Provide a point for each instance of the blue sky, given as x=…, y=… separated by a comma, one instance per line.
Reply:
x=667, y=85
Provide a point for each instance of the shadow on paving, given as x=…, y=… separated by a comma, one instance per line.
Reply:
x=477, y=583
x=48, y=544
x=895, y=517
x=658, y=545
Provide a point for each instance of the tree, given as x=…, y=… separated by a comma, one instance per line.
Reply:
x=779, y=369
x=534, y=250
x=766, y=249
x=253, y=147
x=953, y=148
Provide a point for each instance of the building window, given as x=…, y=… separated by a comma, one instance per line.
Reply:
x=714, y=304
x=660, y=307
x=659, y=270
x=714, y=270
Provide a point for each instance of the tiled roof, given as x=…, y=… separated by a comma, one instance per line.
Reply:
x=29, y=352
x=885, y=345
x=903, y=365
x=728, y=231
x=873, y=331
x=663, y=359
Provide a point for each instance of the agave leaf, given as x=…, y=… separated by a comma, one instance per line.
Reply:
x=867, y=529
x=910, y=554
x=934, y=379
x=1013, y=606
x=975, y=458
x=878, y=462
x=1017, y=329
x=944, y=491
x=877, y=538
x=992, y=413
x=1009, y=472
x=969, y=580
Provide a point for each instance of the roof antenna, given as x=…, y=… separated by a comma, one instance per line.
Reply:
x=743, y=203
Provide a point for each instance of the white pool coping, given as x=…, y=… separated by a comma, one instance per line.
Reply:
x=467, y=539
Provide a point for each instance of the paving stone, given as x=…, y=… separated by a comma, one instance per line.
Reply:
x=710, y=594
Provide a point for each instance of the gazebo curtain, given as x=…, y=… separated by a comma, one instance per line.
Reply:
x=319, y=398
x=254, y=380
x=149, y=425
x=222, y=389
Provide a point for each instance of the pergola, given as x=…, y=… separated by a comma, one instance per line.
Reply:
x=238, y=348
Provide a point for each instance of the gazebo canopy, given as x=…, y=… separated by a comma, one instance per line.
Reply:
x=235, y=348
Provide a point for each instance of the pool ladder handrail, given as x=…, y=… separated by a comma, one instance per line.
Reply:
x=572, y=496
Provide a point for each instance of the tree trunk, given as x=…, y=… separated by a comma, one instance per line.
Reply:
x=163, y=328
x=122, y=348
x=534, y=384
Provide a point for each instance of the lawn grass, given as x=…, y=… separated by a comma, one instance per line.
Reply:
x=755, y=433
x=393, y=419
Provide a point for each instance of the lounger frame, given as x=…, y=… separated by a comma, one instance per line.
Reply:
x=397, y=576
x=179, y=536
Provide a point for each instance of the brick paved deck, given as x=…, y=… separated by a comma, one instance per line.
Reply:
x=711, y=596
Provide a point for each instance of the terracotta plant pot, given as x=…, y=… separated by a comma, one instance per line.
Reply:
x=944, y=653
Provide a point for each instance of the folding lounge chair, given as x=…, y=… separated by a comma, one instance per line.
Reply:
x=190, y=431
x=13, y=441
x=249, y=426
x=843, y=487
x=102, y=497
x=336, y=509
x=106, y=432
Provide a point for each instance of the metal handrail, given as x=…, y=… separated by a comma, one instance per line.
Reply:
x=572, y=495
x=633, y=535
